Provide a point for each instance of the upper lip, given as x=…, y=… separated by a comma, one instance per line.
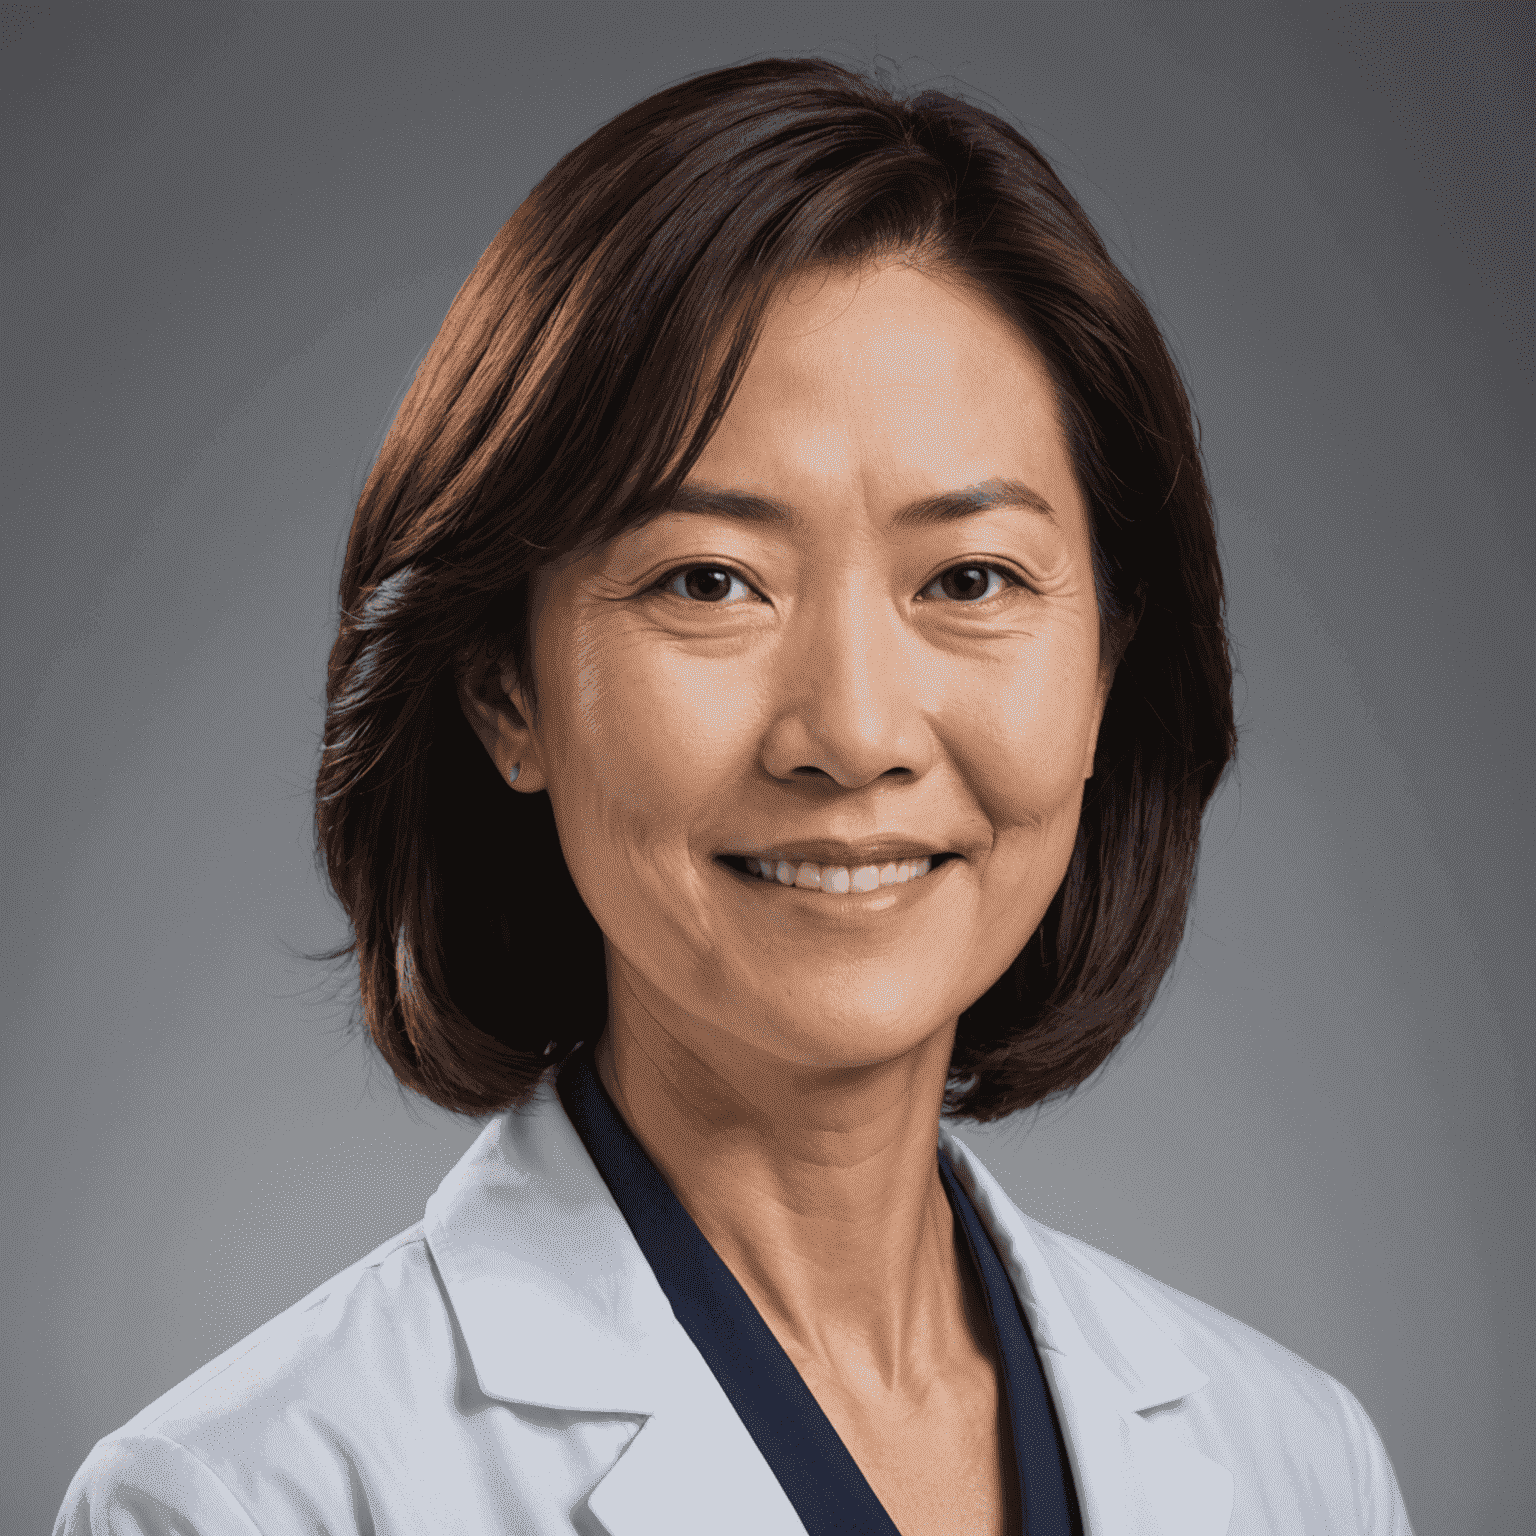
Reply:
x=829, y=851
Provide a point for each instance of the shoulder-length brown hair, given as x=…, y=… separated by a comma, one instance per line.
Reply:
x=576, y=378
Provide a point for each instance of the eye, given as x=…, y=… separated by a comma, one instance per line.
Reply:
x=701, y=583
x=972, y=584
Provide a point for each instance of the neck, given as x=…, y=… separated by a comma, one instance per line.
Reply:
x=819, y=1189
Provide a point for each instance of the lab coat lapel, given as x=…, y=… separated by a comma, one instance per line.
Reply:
x=1134, y=1477
x=694, y=1470
x=558, y=1308
x=552, y=1295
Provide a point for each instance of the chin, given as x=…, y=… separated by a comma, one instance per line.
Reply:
x=852, y=1041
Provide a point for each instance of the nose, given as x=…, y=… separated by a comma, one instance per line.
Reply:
x=850, y=690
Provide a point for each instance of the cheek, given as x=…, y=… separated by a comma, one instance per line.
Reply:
x=642, y=735
x=654, y=717
x=1025, y=740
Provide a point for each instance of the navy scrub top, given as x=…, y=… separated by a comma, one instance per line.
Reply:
x=797, y=1440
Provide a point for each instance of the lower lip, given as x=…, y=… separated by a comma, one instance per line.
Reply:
x=826, y=903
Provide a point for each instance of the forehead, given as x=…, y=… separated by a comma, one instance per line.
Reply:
x=878, y=313
x=890, y=384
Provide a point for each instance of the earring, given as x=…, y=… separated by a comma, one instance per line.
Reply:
x=517, y=768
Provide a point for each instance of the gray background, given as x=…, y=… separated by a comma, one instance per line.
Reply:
x=230, y=233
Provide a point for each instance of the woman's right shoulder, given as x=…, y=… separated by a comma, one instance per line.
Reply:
x=422, y=1387
x=346, y=1361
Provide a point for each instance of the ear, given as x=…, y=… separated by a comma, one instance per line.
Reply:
x=494, y=706
x=1101, y=698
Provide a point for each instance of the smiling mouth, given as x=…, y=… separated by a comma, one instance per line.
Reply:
x=833, y=879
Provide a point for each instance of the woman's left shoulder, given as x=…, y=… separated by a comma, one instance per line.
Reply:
x=1221, y=1345
x=1120, y=1308
x=1269, y=1415
x=1302, y=1450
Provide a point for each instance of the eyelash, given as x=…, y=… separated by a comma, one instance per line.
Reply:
x=712, y=565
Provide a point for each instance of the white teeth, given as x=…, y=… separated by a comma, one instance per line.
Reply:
x=838, y=879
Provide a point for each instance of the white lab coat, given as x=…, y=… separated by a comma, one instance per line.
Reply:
x=510, y=1365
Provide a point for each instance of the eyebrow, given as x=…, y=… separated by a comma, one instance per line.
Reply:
x=925, y=512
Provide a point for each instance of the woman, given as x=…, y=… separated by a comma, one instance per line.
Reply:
x=781, y=673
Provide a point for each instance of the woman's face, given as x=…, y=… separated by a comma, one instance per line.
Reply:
x=802, y=672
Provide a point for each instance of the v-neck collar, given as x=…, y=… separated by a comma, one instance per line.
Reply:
x=802, y=1448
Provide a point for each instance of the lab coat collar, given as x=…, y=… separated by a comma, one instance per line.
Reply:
x=558, y=1308
x=1107, y=1363
x=556, y=1303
